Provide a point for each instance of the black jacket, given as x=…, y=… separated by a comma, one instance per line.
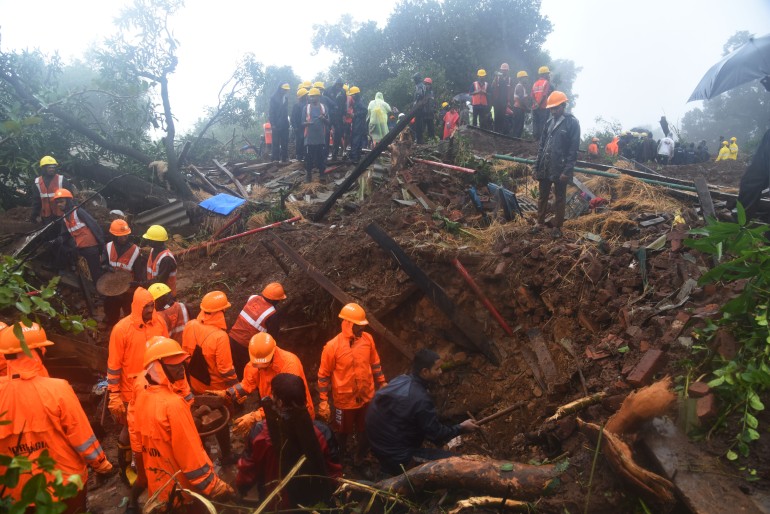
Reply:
x=401, y=416
x=279, y=111
x=558, y=148
x=359, y=116
x=297, y=116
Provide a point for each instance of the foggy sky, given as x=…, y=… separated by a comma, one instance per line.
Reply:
x=640, y=60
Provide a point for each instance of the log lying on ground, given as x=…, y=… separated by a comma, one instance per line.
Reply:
x=573, y=407
x=642, y=405
x=648, y=484
x=491, y=503
x=478, y=474
x=136, y=192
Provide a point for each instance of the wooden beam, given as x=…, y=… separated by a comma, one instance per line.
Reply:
x=339, y=294
x=544, y=358
x=472, y=330
x=367, y=160
x=704, y=197
x=206, y=184
x=241, y=189
x=427, y=204
x=95, y=357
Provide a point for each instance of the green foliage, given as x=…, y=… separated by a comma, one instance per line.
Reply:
x=45, y=480
x=745, y=255
x=742, y=112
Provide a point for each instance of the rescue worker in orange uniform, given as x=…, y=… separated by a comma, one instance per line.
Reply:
x=611, y=148
x=174, y=313
x=593, y=148
x=541, y=90
x=480, y=101
x=37, y=351
x=211, y=363
x=161, y=263
x=166, y=430
x=267, y=360
x=44, y=206
x=122, y=255
x=44, y=414
x=350, y=367
x=258, y=315
x=80, y=231
x=124, y=361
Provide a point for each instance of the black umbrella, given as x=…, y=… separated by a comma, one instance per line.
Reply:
x=461, y=98
x=747, y=63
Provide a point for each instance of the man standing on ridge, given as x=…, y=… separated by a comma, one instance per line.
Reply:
x=479, y=100
x=500, y=93
x=278, y=115
x=44, y=208
x=521, y=103
x=541, y=90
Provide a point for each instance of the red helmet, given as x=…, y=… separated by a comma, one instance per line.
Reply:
x=428, y=80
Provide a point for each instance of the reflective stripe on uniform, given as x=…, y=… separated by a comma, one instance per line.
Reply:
x=84, y=446
x=196, y=473
x=258, y=322
x=94, y=455
x=115, y=260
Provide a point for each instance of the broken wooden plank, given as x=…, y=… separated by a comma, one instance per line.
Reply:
x=653, y=221
x=472, y=330
x=368, y=159
x=339, y=294
x=544, y=359
x=704, y=197
x=95, y=357
x=426, y=203
x=241, y=189
x=701, y=482
x=206, y=184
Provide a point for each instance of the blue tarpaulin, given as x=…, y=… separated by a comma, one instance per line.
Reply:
x=222, y=203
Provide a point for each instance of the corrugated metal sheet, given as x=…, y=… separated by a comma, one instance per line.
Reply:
x=172, y=215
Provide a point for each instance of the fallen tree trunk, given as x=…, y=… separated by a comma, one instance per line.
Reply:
x=479, y=474
x=132, y=190
x=490, y=503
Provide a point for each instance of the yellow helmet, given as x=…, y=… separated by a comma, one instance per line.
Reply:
x=445, y=104
x=733, y=138
x=47, y=161
x=481, y=73
x=353, y=90
x=522, y=74
x=543, y=70
x=158, y=289
x=301, y=92
x=314, y=91
x=345, y=87
x=285, y=86
x=306, y=84
x=156, y=233
x=319, y=85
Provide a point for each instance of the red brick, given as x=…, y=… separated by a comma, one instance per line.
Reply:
x=652, y=361
x=706, y=408
x=699, y=389
x=500, y=269
x=587, y=323
x=682, y=316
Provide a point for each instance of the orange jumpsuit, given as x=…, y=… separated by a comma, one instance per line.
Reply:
x=44, y=414
x=350, y=366
x=180, y=387
x=208, y=332
x=255, y=379
x=42, y=371
x=128, y=341
x=170, y=443
x=176, y=317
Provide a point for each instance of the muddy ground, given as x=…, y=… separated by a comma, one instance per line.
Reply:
x=580, y=288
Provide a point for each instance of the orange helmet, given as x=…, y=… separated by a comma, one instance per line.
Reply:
x=354, y=313
x=555, y=99
x=62, y=193
x=159, y=347
x=261, y=348
x=274, y=291
x=214, y=301
x=119, y=228
x=34, y=336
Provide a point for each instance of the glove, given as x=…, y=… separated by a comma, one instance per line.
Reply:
x=103, y=467
x=117, y=408
x=323, y=411
x=222, y=491
x=383, y=385
x=219, y=392
x=245, y=422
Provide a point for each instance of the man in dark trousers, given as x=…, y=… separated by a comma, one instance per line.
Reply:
x=338, y=97
x=402, y=415
x=43, y=205
x=556, y=160
x=541, y=90
x=429, y=109
x=499, y=94
x=315, y=122
x=297, y=123
x=80, y=232
x=359, y=128
x=279, y=122
x=521, y=103
x=419, y=117
x=756, y=178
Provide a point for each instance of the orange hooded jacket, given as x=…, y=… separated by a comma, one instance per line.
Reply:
x=170, y=442
x=180, y=387
x=260, y=379
x=5, y=365
x=127, y=344
x=44, y=414
x=611, y=148
x=350, y=367
x=208, y=332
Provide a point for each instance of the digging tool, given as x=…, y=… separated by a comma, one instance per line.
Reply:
x=442, y=165
x=482, y=433
x=237, y=236
x=500, y=413
x=300, y=327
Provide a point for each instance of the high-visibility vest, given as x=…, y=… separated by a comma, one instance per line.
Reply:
x=479, y=98
x=48, y=204
x=308, y=119
x=82, y=235
x=540, y=91
x=252, y=319
x=176, y=317
x=268, y=133
x=125, y=261
x=593, y=149
x=153, y=266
